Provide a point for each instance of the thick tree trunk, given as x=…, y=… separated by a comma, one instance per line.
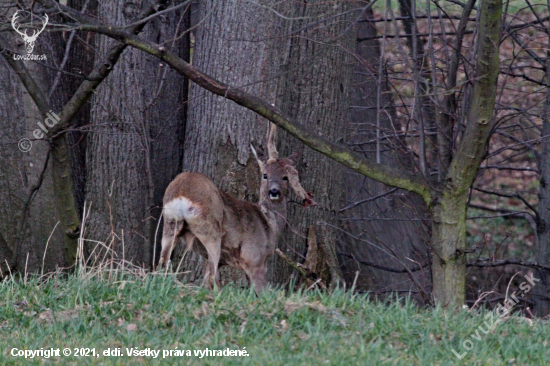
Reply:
x=542, y=290
x=22, y=170
x=228, y=46
x=135, y=147
x=317, y=68
x=76, y=58
x=12, y=163
x=240, y=44
x=69, y=150
x=396, y=221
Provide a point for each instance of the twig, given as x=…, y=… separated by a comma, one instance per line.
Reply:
x=379, y=266
x=507, y=262
x=305, y=272
x=352, y=205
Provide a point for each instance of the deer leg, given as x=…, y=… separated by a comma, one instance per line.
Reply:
x=258, y=277
x=170, y=235
x=207, y=278
x=213, y=248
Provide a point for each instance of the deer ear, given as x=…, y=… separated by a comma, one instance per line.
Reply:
x=294, y=158
x=294, y=181
x=260, y=163
x=272, y=152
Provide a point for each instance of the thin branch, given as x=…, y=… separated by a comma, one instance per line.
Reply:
x=352, y=205
x=384, y=268
x=508, y=195
x=157, y=14
x=507, y=262
x=516, y=168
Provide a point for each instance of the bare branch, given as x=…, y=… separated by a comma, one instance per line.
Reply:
x=472, y=148
x=384, y=268
x=382, y=173
x=507, y=262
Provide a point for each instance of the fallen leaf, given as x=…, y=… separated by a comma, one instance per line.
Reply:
x=284, y=325
x=290, y=307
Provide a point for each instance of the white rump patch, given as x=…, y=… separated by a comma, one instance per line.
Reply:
x=180, y=209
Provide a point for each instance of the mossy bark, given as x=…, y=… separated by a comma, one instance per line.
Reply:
x=449, y=210
x=64, y=198
x=448, y=243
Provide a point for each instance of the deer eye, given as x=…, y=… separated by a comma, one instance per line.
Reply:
x=265, y=176
x=285, y=178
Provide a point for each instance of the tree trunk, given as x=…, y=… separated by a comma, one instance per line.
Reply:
x=12, y=162
x=396, y=221
x=69, y=150
x=77, y=59
x=135, y=147
x=241, y=44
x=315, y=89
x=228, y=46
x=449, y=209
x=21, y=170
x=542, y=290
x=448, y=242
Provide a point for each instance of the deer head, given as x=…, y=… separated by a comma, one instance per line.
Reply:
x=29, y=40
x=280, y=174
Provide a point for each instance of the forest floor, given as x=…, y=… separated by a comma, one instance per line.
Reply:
x=89, y=315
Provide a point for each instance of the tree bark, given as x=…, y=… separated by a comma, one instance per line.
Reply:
x=22, y=170
x=69, y=150
x=135, y=147
x=542, y=290
x=229, y=46
x=396, y=221
x=317, y=67
x=76, y=58
x=449, y=210
x=12, y=162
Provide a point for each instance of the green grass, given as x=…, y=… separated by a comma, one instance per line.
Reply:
x=276, y=328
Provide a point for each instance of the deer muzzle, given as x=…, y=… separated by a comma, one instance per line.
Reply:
x=274, y=194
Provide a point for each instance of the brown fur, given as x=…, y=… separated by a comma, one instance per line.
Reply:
x=228, y=231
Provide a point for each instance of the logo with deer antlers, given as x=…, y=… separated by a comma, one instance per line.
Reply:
x=29, y=39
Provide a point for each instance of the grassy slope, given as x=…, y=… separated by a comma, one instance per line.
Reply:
x=276, y=328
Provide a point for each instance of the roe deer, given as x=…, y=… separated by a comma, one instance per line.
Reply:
x=228, y=231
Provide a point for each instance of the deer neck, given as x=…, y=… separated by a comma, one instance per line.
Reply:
x=275, y=213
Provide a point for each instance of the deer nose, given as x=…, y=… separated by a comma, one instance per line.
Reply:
x=274, y=193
